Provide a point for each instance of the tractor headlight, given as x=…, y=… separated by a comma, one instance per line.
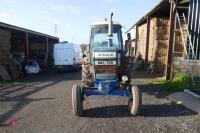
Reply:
x=124, y=78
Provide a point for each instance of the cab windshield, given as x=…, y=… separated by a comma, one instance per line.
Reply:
x=99, y=37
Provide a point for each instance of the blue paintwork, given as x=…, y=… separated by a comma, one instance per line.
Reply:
x=104, y=87
x=102, y=90
x=104, y=49
x=113, y=83
x=121, y=92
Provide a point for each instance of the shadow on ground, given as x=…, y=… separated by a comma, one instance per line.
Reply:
x=117, y=111
x=107, y=112
x=52, y=75
x=18, y=92
x=150, y=110
x=20, y=101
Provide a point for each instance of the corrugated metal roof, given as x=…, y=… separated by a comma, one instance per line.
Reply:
x=25, y=30
x=162, y=3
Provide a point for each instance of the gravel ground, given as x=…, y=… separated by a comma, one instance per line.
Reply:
x=42, y=104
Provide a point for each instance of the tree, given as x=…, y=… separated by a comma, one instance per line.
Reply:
x=83, y=47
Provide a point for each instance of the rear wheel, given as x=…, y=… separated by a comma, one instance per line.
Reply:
x=77, y=103
x=86, y=78
x=134, y=103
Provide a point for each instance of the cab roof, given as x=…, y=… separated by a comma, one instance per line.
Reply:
x=105, y=22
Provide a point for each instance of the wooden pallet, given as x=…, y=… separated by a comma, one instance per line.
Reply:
x=13, y=70
x=4, y=74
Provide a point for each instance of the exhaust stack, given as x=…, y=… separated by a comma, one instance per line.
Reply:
x=110, y=34
x=110, y=26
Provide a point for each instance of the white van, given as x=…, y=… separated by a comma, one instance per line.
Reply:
x=65, y=57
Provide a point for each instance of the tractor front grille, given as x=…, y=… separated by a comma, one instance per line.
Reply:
x=105, y=69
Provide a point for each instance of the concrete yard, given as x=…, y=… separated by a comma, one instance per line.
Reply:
x=186, y=100
x=42, y=104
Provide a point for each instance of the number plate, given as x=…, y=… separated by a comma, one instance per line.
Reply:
x=105, y=62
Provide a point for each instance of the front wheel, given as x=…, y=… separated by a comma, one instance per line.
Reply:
x=77, y=103
x=134, y=103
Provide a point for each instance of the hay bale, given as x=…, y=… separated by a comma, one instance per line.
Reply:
x=159, y=36
x=142, y=40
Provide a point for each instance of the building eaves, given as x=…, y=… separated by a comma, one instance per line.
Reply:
x=26, y=30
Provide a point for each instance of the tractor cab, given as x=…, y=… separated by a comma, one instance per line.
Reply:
x=105, y=49
x=101, y=39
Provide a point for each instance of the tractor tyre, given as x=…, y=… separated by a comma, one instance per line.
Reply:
x=134, y=103
x=77, y=103
x=86, y=80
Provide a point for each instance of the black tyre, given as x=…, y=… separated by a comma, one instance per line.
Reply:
x=134, y=103
x=77, y=103
x=86, y=80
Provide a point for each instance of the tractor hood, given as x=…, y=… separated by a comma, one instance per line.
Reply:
x=104, y=49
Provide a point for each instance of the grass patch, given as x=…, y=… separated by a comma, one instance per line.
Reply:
x=177, y=84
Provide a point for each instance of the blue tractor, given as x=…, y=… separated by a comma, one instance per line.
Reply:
x=106, y=68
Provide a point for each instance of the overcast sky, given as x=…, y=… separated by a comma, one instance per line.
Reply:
x=72, y=17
